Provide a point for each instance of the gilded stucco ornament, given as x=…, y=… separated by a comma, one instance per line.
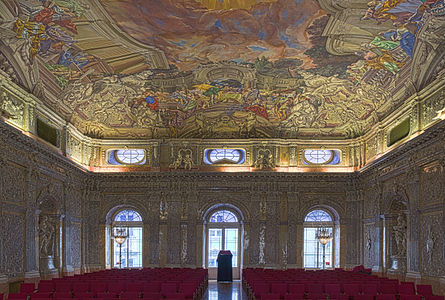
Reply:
x=183, y=160
x=264, y=159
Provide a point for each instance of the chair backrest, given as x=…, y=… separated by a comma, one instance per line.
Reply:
x=296, y=288
x=332, y=288
x=385, y=297
x=424, y=289
x=388, y=288
x=434, y=297
x=370, y=289
x=351, y=289
x=278, y=288
x=407, y=288
x=45, y=286
x=26, y=288
x=410, y=297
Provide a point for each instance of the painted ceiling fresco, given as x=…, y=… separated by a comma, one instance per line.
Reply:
x=192, y=32
x=237, y=68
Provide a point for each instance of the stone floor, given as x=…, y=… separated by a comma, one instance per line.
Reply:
x=225, y=291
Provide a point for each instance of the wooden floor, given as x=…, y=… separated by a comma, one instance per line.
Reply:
x=225, y=291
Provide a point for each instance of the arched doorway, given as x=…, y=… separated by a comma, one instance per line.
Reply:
x=223, y=230
x=321, y=219
x=129, y=253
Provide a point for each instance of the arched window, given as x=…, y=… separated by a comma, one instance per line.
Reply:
x=223, y=230
x=223, y=216
x=128, y=254
x=314, y=222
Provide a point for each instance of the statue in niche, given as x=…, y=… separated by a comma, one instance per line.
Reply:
x=400, y=235
x=163, y=208
x=246, y=241
x=46, y=236
x=429, y=244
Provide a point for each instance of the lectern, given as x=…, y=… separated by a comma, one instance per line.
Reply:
x=224, y=265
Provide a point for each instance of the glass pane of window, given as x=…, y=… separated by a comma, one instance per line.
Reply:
x=107, y=247
x=318, y=156
x=130, y=156
x=313, y=250
x=131, y=255
x=224, y=156
x=318, y=216
x=223, y=216
x=231, y=243
x=215, y=245
x=135, y=247
x=128, y=216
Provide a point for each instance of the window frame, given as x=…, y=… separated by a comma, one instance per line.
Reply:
x=207, y=161
x=128, y=224
x=333, y=226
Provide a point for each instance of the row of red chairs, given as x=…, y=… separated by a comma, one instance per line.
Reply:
x=147, y=284
x=344, y=297
x=337, y=284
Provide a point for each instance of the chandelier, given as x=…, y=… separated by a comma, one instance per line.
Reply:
x=120, y=235
x=323, y=235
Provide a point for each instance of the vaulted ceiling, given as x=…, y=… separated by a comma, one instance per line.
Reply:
x=224, y=68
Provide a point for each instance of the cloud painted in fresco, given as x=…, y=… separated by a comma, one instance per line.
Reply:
x=191, y=34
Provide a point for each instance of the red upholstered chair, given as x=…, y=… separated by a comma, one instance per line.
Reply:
x=59, y=295
x=424, y=290
x=314, y=288
x=296, y=288
x=316, y=296
x=98, y=287
x=41, y=295
x=17, y=296
x=134, y=287
x=27, y=288
x=62, y=286
x=388, y=288
x=369, y=289
x=278, y=288
x=84, y=295
x=105, y=295
x=270, y=297
x=364, y=297
x=332, y=288
x=406, y=288
x=168, y=288
x=385, y=297
x=293, y=297
x=129, y=295
x=151, y=288
x=433, y=297
x=116, y=287
x=338, y=297
x=80, y=287
x=45, y=286
x=410, y=297
x=1, y=296
x=351, y=289
x=261, y=289
x=151, y=296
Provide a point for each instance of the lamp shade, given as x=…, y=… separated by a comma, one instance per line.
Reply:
x=120, y=239
x=120, y=234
